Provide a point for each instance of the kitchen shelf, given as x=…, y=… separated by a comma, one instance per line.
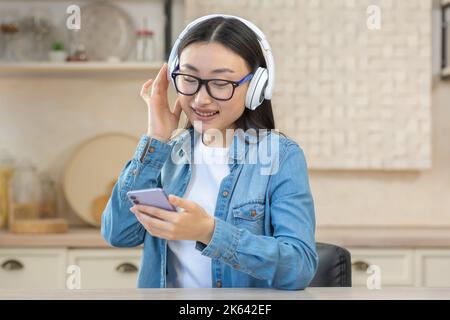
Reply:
x=56, y=67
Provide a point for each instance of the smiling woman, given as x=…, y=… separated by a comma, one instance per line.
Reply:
x=218, y=102
x=229, y=51
x=237, y=225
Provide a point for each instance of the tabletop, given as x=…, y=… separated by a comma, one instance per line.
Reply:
x=356, y=293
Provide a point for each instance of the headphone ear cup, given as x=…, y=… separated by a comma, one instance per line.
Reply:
x=256, y=88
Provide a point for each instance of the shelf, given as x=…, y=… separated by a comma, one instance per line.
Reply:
x=56, y=67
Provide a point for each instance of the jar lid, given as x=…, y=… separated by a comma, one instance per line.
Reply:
x=144, y=32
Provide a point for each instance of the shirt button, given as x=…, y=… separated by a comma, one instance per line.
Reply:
x=253, y=213
x=219, y=284
x=151, y=149
x=135, y=172
x=225, y=193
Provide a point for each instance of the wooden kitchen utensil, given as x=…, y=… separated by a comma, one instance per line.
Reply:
x=100, y=202
x=90, y=171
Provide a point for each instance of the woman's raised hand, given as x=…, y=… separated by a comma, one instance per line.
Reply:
x=162, y=122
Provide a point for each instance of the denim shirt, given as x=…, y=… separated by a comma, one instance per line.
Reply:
x=264, y=234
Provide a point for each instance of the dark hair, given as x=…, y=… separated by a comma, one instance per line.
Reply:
x=237, y=36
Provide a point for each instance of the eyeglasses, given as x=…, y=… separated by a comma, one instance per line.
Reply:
x=218, y=89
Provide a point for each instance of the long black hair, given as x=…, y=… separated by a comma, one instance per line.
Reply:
x=237, y=36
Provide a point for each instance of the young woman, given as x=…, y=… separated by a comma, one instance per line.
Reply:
x=240, y=223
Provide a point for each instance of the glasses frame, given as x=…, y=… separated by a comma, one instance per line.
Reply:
x=205, y=82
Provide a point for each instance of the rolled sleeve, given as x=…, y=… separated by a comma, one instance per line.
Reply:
x=223, y=244
x=152, y=152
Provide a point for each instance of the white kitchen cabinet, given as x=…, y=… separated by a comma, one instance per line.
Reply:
x=101, y=268
x=106, y=268
x=433, y=268
x=32, y=268
x=47, y=268
x=402, y=267
x=396, y=266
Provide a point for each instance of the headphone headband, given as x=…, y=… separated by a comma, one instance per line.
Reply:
x=266, y=49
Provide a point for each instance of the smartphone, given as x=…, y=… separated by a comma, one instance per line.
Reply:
x=155, y=197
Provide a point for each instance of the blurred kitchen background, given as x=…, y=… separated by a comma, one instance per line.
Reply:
x=369, y=103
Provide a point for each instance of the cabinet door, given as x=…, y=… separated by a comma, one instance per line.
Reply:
x=433, y=268
x=32, y=268
x=396, y=267
x=106, y=268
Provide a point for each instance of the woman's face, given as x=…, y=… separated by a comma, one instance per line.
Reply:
x=213, y=61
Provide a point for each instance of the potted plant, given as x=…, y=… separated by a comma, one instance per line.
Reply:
x=57, y=54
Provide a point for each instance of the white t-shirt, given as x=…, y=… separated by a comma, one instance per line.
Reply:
x=187, y=268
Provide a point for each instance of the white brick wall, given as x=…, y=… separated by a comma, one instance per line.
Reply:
x=353, y=98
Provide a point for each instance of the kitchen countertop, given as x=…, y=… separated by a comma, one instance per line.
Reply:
x=233, y=294
x=75, y=237
x=385, y=237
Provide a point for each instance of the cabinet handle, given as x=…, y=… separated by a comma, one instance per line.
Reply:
x=126, y=268
x=12, y=265
x=360, y=266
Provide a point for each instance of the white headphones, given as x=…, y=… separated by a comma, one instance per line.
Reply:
x=261, y=84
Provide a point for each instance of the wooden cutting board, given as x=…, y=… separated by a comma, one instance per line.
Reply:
x=90, y=173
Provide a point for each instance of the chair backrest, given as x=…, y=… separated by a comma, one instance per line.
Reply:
x=335, y=268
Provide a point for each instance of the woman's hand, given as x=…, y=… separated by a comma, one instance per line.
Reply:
x=161, y=121
x=194, y=223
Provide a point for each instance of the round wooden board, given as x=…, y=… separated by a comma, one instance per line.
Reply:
x=93, y=170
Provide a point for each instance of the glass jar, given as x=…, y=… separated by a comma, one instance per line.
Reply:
x=48, y=199
x=9, y=27
x=25, y=192
x=6, y=172
x=145, y=44
x=145, y=50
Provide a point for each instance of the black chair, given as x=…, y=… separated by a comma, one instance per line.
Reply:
x=335, y=268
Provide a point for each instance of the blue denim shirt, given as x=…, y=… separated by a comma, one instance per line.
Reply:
x=264, y=233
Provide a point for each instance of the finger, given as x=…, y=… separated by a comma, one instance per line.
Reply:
x=144, y=90
x=157, y=212
x=182, y=203
x=149, y=226
x=137, y=214
x=152, y=222
x=159, y=231
x=160, y=82
x=177, y=109
x=138, y=217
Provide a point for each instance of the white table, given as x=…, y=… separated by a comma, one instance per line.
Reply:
x=234, y=294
